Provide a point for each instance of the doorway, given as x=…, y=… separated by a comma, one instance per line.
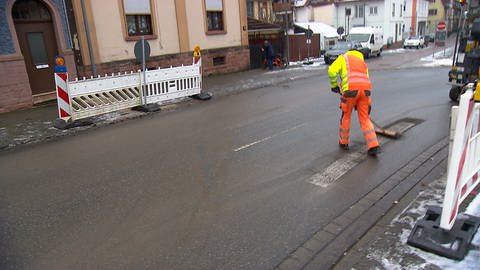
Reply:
x=36, y=37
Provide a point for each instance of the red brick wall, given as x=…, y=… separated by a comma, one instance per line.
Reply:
x=15, y=92
x=236, y=59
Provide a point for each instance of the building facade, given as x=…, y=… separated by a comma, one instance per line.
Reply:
x=386, y=15
x=416, y=16
x=436, y=14
x=397, y=19
x=32, y=33
x=98, y=37
x=315, y=10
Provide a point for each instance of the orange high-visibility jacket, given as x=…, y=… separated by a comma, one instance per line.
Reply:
x=352, y=70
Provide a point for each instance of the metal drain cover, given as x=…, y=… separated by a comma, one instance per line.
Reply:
x=402, y=125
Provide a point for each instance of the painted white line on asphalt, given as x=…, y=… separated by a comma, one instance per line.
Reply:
x=267, y=138
x=340, y=167
x=336, y=170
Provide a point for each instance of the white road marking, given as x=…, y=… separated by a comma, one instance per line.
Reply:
x=336, y=170
x=267, y=138
x=340, y=167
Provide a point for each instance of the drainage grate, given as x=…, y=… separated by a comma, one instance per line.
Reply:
x=402, y=125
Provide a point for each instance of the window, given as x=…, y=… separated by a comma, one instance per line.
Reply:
x=393, y=9
x=37, y=49
x=250, y=9
x=401, y=10
x=432, y=12
x=219, y=60
x=359, y=9
x=138, y=17
x=373, y=10
x=30, y=10
x=214, y=9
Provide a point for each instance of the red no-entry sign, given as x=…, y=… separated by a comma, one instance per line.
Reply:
x=441, y=26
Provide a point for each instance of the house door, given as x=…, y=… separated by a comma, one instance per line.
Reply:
x=36, y=38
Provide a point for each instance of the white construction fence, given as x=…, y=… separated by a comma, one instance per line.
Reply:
x=464, y=158
x=89, y=97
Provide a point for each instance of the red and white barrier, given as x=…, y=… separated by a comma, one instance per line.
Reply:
x=90, y=97
x=63, y=99
x=464, y=160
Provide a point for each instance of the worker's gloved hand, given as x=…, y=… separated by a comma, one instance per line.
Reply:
x=336, y=89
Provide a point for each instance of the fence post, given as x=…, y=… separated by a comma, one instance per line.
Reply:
x=61, y=87
x=459, y=167
x=65, y=119
x=443, y=230
x=197, y=61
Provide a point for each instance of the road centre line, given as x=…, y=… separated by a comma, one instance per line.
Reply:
x=268, y=138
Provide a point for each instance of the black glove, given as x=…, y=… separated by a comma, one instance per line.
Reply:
x=336, y=89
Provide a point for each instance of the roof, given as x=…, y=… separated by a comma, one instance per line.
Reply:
x=255, y=25
x=319, y=28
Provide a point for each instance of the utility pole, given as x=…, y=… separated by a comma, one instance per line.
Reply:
x=89, y=42
x=285, y=25
x=284, y=8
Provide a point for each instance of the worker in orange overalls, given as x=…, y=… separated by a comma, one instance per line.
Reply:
x=355, y=91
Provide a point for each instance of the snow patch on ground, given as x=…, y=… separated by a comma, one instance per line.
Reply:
x=403, y=256
x=400, y=50
x=441, y=58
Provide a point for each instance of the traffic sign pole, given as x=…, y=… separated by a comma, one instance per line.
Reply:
x=144, y=86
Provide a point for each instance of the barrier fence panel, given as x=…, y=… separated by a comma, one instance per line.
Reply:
x=89, y=97
x=104, y=94
x=175, y=82
x=464, y=163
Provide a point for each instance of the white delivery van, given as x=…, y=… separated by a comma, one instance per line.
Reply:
x=369, y=37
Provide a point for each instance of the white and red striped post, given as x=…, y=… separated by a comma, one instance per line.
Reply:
x=464, y=162
x=61, y=85
x=63, y=99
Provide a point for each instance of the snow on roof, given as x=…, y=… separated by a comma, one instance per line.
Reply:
x=319, y=28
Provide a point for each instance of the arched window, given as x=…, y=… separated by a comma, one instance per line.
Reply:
x=30, y=10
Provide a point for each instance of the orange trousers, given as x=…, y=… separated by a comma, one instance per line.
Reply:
x=361, y=100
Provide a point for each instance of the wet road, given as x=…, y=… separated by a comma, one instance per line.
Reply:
x=221, y=185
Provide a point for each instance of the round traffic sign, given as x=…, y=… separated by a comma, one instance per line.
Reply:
x=138, y=50
x=441, y=26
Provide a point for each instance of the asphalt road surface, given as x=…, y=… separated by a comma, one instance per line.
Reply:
x=219, y=185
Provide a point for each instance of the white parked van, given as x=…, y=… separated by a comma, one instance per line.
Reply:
x=369, y=37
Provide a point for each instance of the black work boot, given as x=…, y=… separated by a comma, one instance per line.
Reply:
x=374, y=151
x=343, y=146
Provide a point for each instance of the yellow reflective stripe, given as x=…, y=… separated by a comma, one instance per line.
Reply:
x=358, y=77
x=344, y=130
